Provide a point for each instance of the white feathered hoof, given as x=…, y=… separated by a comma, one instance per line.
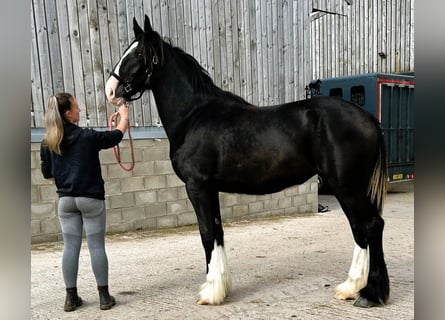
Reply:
x=357, y=276
x=219, y=280
x=346, y=291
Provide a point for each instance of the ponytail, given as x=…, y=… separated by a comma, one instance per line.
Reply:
x=58, y=104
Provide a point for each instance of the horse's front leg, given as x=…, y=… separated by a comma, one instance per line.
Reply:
x=206, y=204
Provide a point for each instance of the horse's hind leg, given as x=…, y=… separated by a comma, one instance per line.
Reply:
x=368, y=276
x=357, y=275
x=376, y=292
x=218, y=281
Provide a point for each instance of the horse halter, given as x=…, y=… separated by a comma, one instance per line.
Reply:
x=128, y=86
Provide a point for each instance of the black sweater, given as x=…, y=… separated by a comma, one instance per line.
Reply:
x=77, y=171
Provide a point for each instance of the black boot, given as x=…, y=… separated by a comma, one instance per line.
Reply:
x=72, y=300
x=106, y=301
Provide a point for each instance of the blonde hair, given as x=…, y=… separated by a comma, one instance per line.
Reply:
x=58, y=104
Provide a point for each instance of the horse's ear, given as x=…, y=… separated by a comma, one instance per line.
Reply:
x=136, y=28
x=147, y=25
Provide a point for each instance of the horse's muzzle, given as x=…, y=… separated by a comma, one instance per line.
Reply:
x=110, y=91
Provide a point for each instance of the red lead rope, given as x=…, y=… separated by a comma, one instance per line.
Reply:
x=116, y=149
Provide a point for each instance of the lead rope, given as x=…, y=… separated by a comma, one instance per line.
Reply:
x=116, y=149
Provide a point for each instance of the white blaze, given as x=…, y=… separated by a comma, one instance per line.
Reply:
x=111, y=85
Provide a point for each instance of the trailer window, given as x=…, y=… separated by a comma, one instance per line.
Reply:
x=336, y=92
x=358, y=95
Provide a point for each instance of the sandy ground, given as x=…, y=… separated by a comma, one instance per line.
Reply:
x=282, y=268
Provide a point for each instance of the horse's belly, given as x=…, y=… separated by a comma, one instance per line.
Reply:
x=258, y=181
x=249, y=188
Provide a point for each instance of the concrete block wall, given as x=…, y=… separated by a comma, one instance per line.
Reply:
x=152, y=197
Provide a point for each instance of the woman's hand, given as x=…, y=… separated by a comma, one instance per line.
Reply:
x=123, y=112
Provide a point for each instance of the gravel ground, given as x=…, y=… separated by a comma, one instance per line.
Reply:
x=282, y=268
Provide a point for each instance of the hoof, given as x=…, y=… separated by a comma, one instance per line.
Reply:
x=362, y=302
x=345, y=296
x=346, y=291
x=202, y=302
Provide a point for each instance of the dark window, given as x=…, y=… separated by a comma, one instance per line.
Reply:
x=358, y=95
x=336, y=92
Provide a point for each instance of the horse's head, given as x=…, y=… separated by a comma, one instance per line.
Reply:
x=131, y=75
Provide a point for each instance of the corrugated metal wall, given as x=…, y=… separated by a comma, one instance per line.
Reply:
x=264, y=50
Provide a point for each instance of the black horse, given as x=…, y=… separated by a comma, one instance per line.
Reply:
x=221, y=143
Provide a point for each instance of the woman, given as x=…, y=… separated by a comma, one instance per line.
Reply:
x=70, y=157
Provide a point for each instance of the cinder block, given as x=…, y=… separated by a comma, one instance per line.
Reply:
x=107, y=202
x=132, y=184
x=311, y=198
x=226, y=213
x=187, y=218
x=303, y=188
x=240, y=210
x=120, y=227
x=182, y=193
x=163, y=167
x=305, y=208
x=48, y=192
x=264, y=197
x=37, y=177
x=155, y=182
x=113, y=186
x=278, y=195
x=189, y=205
x=256, y=207
x=156, y=209
x=35, y=160
x=245, y=198
x=176, y=207
x=144, y=143
x=35, y=147
x=314, y=186
x=284, y=203
x=43, y=210
x=116, y=172
x=167, y=221
x=168, y=194
x=271, y=204
x=314, y=207
x=50, y=226
x=299, y=200
x=35, y=228
x=174, y=181
x=144, y=168
x=291, y=191
x=133, y=213
x=114, y=216
x=34, y=194
x=291, y=210
x=145, y=197
x=107, y=156
x=155, y=153
x=125, y=155
x=46, y=238
x=104, y=171
x=122, y=201
x=145, y=224
x=229, y=199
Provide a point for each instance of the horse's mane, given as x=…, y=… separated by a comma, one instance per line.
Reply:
x=200, y=79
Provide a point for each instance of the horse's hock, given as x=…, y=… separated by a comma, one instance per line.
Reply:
x=152, y=197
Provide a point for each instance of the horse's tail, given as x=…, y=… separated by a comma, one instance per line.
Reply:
x=379, y=179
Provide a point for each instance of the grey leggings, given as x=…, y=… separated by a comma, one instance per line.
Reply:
x=74, y=213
